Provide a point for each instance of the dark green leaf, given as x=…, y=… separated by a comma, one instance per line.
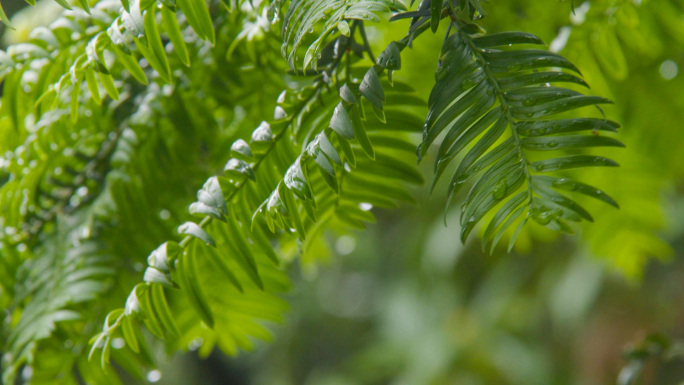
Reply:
x=506, y=39
x=131, y=64
x=552, y=127
x=219, y=260
x=511, y=206
x=129, y=334
x=347, y=95
x=548, y=143
x=535, y=78
x=108, y=84
x=572, y=161
x=187, y=271
x=341, y=122
x=328, y=149
x=574, y=186
x=435, y=14
x=155, y=43
x=292, y=209
x=556, y=106
x=160, y=309
x=527, y=59
x=246, y=260
x=390, y=58
x=371, y=89
x=175, y=35
x=360, y=133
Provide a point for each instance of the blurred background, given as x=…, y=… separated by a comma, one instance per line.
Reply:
x=406, y=303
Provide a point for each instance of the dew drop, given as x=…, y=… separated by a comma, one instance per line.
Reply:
x=500, y=189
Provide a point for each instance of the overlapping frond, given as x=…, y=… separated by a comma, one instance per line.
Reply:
x=53, y=284
x=335, y=179
x=319, y=165
x=72, y=200
x=494, y=104
x=311, y=22
x=70, y=156
x=432, y=12
x=196, y=13
x=334, y=150
x=60, y=178
x=89, y=54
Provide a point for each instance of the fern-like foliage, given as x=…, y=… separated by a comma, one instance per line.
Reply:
x=73, y=154
x=304, y=17
x=53, y=283
x=319, y=165
x=339, y=144
x=494, y=102
x=95, y=50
